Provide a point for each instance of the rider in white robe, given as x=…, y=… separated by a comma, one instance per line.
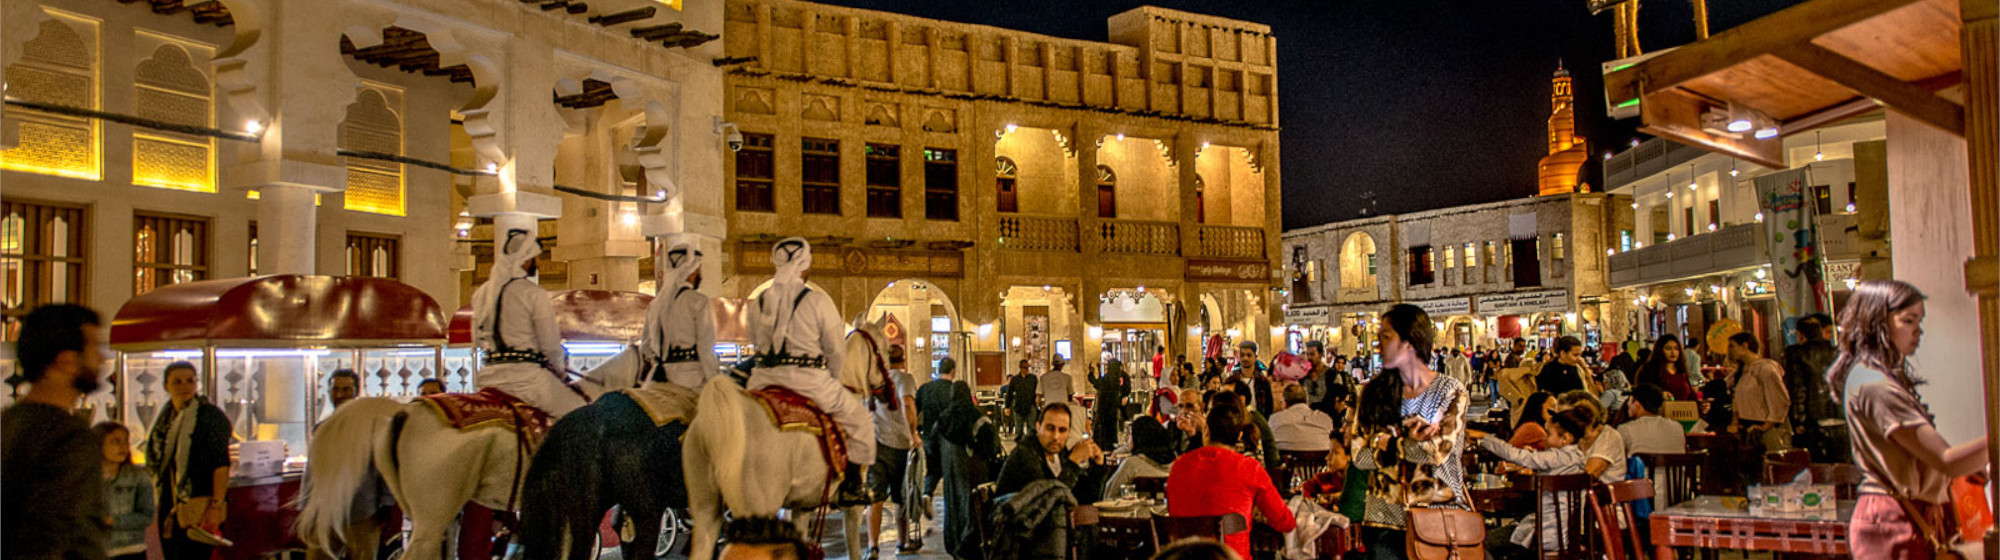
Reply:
x=799, y=336
x=514, y=323
x=678, y=345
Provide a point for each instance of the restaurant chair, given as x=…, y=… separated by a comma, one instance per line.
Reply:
x=1798, y=457
x=1617, y=523
x=1151, y=485
x=1570, y=494
x=1676, y=476
x=1844, y=477
x=1298, y=467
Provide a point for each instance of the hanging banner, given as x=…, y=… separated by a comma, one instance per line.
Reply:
x=1440, y=308
x=1794, y=257
x=1522, y=303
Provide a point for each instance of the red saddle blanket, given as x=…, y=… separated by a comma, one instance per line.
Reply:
x=491, y=408
x=792, y=412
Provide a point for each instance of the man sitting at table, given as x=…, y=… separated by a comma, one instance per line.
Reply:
x=1648, y=432
x=1300, y=428
x=1042, y=456
x=1217, y=480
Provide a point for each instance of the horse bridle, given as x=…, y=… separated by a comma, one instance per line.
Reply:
x=879, y=392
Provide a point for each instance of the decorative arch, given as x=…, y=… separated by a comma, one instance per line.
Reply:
x=926, y=348
x=1107, y=192
x=1200, y=204
x=168, y=87
x=1358, y=276
x=374, y=123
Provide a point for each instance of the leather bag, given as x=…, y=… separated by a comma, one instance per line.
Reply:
x=1445, y=534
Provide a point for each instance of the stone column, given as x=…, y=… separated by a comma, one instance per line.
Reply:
x=287, y=228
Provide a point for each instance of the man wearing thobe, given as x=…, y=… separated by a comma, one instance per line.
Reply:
x=679, y=342
x=514, y=322
x=799, y=334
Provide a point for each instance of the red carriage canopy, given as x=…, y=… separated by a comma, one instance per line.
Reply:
x=584, y=316
x=296, y=309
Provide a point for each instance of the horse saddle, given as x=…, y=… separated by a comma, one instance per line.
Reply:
x=792, y=412
x=664, y=403
x=491, y=408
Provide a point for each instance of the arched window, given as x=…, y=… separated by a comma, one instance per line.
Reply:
x=1107, y=192
x=1357, y=266
x=1200, y=205
x=170, y=88
x=1004, y=175
x=374, y=123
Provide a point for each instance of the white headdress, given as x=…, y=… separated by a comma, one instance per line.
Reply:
x=790, y=257
x=681, y=261
x=518, y=246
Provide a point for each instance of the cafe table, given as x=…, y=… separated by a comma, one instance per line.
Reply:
x=1725, y=522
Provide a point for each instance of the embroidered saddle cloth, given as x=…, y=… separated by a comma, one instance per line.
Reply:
x=664, y=403
x=792, y=412
x=491, y=408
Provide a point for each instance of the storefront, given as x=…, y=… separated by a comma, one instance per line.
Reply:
x=1131, y=324
x=1541, y=316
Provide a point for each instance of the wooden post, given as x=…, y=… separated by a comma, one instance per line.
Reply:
x=1978, y=41
x=1700, y=19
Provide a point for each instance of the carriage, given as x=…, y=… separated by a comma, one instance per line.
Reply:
x=262, y=346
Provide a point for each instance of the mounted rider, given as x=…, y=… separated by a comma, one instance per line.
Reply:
x=678, y=344
x=514, y=322
x=799, y=336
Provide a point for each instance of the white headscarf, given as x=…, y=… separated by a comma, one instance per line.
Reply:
x=518, y=247
x=682, y=260
x=790, y=257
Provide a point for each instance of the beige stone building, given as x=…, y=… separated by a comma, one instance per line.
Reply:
x=153, y=143
x=1532, y=267
x=1007, y=195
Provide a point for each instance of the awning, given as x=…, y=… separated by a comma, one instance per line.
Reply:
x=1803, y=67
x=583, y=315
x=284, y=309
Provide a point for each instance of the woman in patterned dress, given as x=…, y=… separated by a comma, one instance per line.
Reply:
x=1411, y=435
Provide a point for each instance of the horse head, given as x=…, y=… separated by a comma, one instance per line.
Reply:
x=867, y=366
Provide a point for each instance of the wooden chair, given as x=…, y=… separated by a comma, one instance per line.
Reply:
x=1844, y=477
x=1570, y=494
x=1676, y=476
x=1168, y=529
x=1299, y=466
x=1616, y=522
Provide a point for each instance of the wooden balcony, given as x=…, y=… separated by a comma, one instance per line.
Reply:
x=1039, y=233
x=1131, y=237
x=1229, y=242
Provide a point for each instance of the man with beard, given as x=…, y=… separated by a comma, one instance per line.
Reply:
x=679, y=341
x=53, y=493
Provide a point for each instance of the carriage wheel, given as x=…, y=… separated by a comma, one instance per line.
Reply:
x=675, y=531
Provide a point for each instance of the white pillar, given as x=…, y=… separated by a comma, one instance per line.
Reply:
x=1927, y=176
x=287, y=224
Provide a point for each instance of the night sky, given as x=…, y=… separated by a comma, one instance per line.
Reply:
x=1424, y=103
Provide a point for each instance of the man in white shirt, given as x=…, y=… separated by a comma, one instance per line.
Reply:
x=514, y=323
x=678, y=344
x=1648, y=432
x=800, y=341
x=1300, y=428
x=1054, y=386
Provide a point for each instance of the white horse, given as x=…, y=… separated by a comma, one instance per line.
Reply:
x=432, y=468
x=783, y=469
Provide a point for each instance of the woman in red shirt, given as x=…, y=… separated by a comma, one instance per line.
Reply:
x=1216, y=479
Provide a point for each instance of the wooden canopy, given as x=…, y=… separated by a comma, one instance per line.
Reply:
x=1805, y=66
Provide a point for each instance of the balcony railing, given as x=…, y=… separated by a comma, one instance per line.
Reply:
x=1229, y=242
x=1140, y=238
x=1731, y=248
x=1038, y=233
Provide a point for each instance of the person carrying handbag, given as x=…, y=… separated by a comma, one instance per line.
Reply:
x=1902, y=512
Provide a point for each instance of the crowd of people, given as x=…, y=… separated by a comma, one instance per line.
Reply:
x=1391, y=430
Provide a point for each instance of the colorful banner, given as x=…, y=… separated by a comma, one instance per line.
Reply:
x=1794, y=255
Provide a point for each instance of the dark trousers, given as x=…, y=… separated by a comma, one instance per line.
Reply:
x=177, y=546
x=933, y=465
x=1383, y=544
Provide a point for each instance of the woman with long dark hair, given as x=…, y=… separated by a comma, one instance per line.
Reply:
x=1906, y=466
x=1665, y=368
x=1411, y=434
x=1531, y=427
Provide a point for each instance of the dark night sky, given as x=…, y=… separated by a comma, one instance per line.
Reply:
x=1426, y=103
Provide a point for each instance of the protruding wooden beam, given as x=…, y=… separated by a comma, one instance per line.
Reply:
x=1796, y=25
x=626, y=16
x=1905, y=98
x=656, y=32
x=1677, y=116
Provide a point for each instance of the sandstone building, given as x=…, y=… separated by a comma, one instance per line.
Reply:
x=1007, y=195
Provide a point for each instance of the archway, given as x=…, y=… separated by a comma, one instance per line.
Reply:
x=925, y=321
x=1358, y=275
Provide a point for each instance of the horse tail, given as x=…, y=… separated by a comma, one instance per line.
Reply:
x=562, y=483
x=721, y=410
x=341, y=456
x=387, y=459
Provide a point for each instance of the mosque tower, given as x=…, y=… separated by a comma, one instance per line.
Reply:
x=1562, y=170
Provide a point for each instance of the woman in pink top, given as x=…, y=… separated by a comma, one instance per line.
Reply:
x=1216, y=479
x=1906, y=466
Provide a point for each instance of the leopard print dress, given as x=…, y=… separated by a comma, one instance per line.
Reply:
x=1423, y=466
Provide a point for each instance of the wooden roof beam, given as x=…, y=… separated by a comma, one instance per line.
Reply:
x=1909, y=99
x=1676, y=114
x=1789, y=27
